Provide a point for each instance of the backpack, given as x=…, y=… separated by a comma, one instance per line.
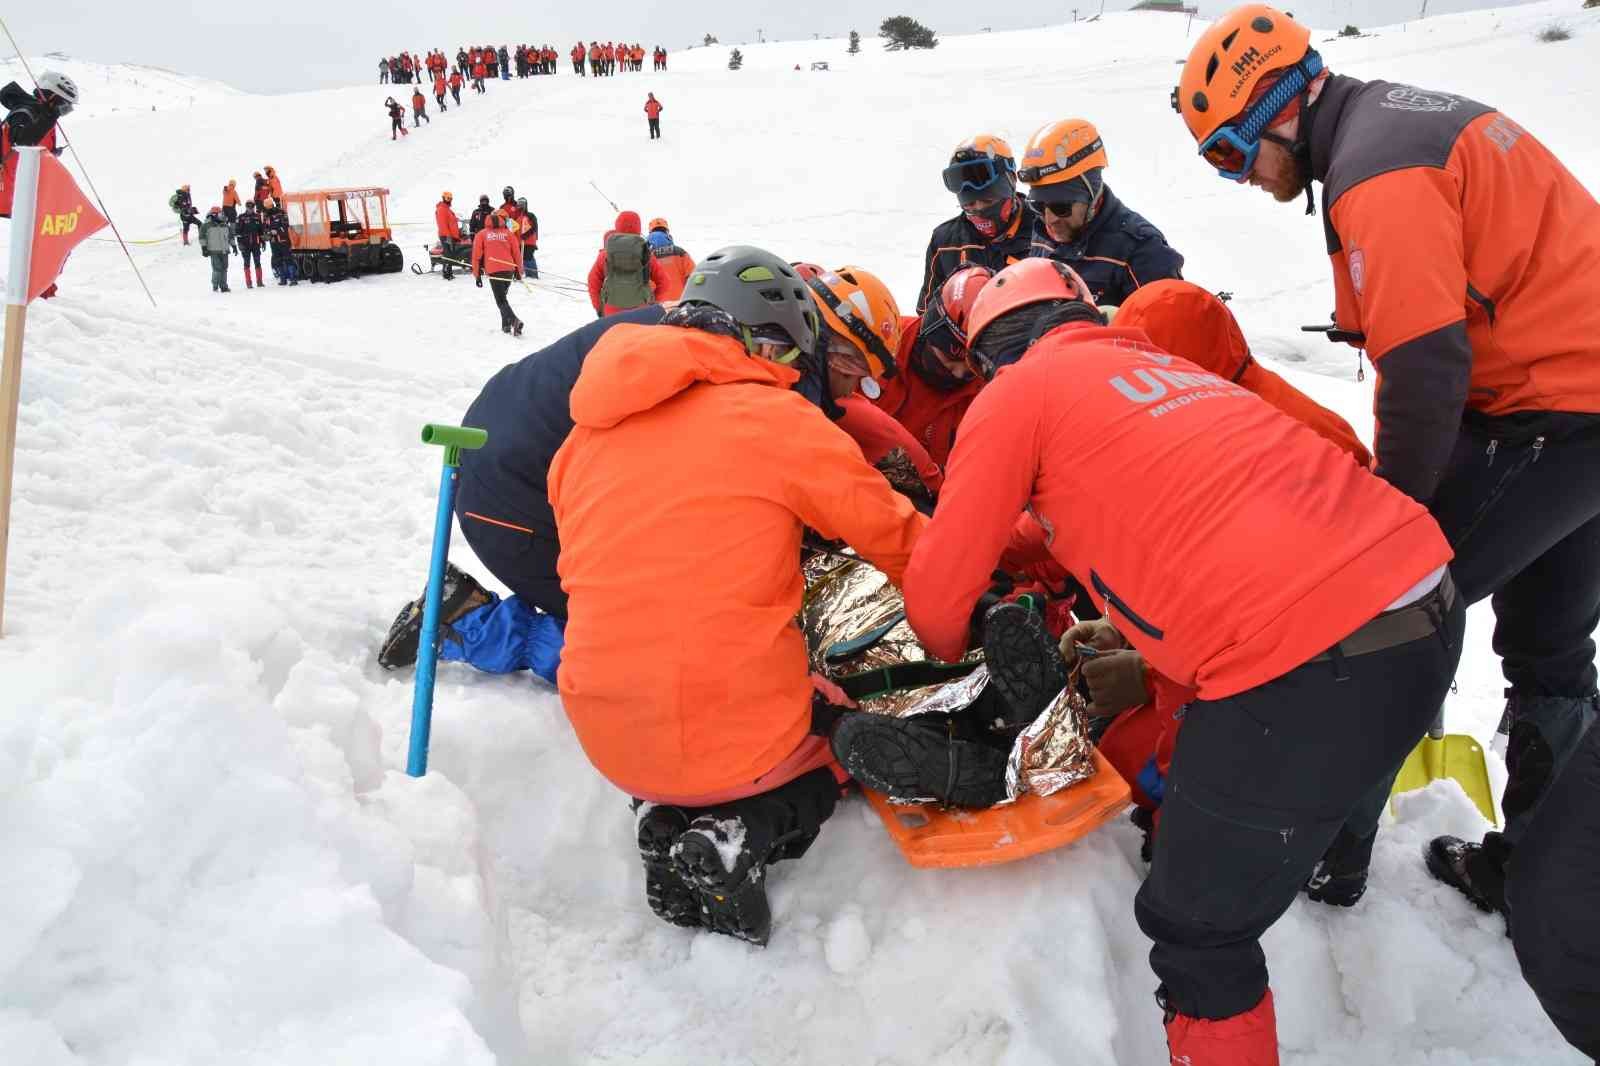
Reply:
x=627, y=283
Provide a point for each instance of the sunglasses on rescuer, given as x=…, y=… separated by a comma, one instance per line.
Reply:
x=1057, y=209
x=1233, y=148
x=975, y=175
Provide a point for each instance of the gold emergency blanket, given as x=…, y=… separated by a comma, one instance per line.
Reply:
x=849, y=600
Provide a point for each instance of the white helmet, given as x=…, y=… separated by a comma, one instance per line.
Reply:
x=60, y=86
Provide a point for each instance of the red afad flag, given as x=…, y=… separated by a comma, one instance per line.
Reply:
x=64, y=218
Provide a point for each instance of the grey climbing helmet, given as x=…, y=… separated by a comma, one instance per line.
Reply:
x=759, y=290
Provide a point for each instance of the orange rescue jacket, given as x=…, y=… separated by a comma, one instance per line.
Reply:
x=681, y=498
x=1226, y=541
x=1182, y=318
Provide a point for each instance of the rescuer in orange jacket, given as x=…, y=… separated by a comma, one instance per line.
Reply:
x=449, y=227
x=1182, y=318
x=692, y=456
x=1306, y=602
x=676, y=263
x=496, y=251
x=1466, y=261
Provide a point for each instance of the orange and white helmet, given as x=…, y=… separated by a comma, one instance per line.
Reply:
x=858, y=308
x=1240, y=76
x=1063, y=161
x=981, y=167
x=999, y=335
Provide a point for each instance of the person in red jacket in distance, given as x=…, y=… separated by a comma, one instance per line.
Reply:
x=1308, y=603
x=449, y=226
x=497, y=252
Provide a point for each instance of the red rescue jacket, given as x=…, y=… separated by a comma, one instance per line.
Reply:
x=444, y=216
x=931, y=416
x=496, y=251
x=1226, y=541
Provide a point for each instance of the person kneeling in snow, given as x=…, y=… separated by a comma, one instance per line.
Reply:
x=1307, y=603
x=682, y=497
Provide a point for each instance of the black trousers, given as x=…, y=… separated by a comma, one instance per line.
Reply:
x=520, y=553
x=1260, y=784
x=455, y=93
x=1553, y=887
x=500, y=285
x=250, y=253
x=782, y=823
x=1520, y=502
x=655, y=129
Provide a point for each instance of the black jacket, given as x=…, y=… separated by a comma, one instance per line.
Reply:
x=29, y=120
x=276, y=225
x=480, y=216
x=957, y=243
x=248, y=230
x=525, y=409
x=1118, y=252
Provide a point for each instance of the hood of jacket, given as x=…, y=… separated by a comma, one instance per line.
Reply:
x=636, y=368
x=1182, y=318
x=627, y=222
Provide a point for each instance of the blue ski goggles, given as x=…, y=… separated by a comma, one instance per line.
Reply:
x=973, y=177
x=1233, y=148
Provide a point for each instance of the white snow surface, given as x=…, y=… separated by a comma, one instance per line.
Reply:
x=210, y=850
x=118, y=88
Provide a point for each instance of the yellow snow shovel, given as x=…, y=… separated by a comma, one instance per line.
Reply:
x=1456, y=756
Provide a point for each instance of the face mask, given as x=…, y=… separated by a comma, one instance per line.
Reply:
x=989, y=220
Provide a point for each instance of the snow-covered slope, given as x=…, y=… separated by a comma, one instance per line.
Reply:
x=210, y=851
x=118, y=88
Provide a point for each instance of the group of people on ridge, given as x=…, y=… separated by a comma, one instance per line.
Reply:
x=1265, y=614
x=241, y=227
x=605, y=59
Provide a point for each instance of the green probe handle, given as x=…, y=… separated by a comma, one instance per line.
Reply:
x=453, y=439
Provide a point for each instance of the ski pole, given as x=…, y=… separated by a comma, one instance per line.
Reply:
x=453, y=439
x=603, y=196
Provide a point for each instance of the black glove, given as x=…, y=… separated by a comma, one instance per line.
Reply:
x=479, y=279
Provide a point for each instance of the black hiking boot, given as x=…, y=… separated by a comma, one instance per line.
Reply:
x=724, y=862
x=461, y=594
x=1477, y=871
x=1340, y=877
x=1024, y=661
x=671, y=898
x=920, y=758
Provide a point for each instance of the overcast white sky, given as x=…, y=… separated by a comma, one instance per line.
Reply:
x=287, y=45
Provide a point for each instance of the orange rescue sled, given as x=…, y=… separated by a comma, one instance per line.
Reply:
x=935, y=838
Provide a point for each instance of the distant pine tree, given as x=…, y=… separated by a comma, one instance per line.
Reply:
x=735, y=59
x=903, y=31
x=855, y=40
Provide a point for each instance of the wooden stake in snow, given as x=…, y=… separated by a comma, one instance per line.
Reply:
x=49, y=217
x=24, y=204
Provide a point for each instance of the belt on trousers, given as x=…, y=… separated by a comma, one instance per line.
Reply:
x=1393, y=628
